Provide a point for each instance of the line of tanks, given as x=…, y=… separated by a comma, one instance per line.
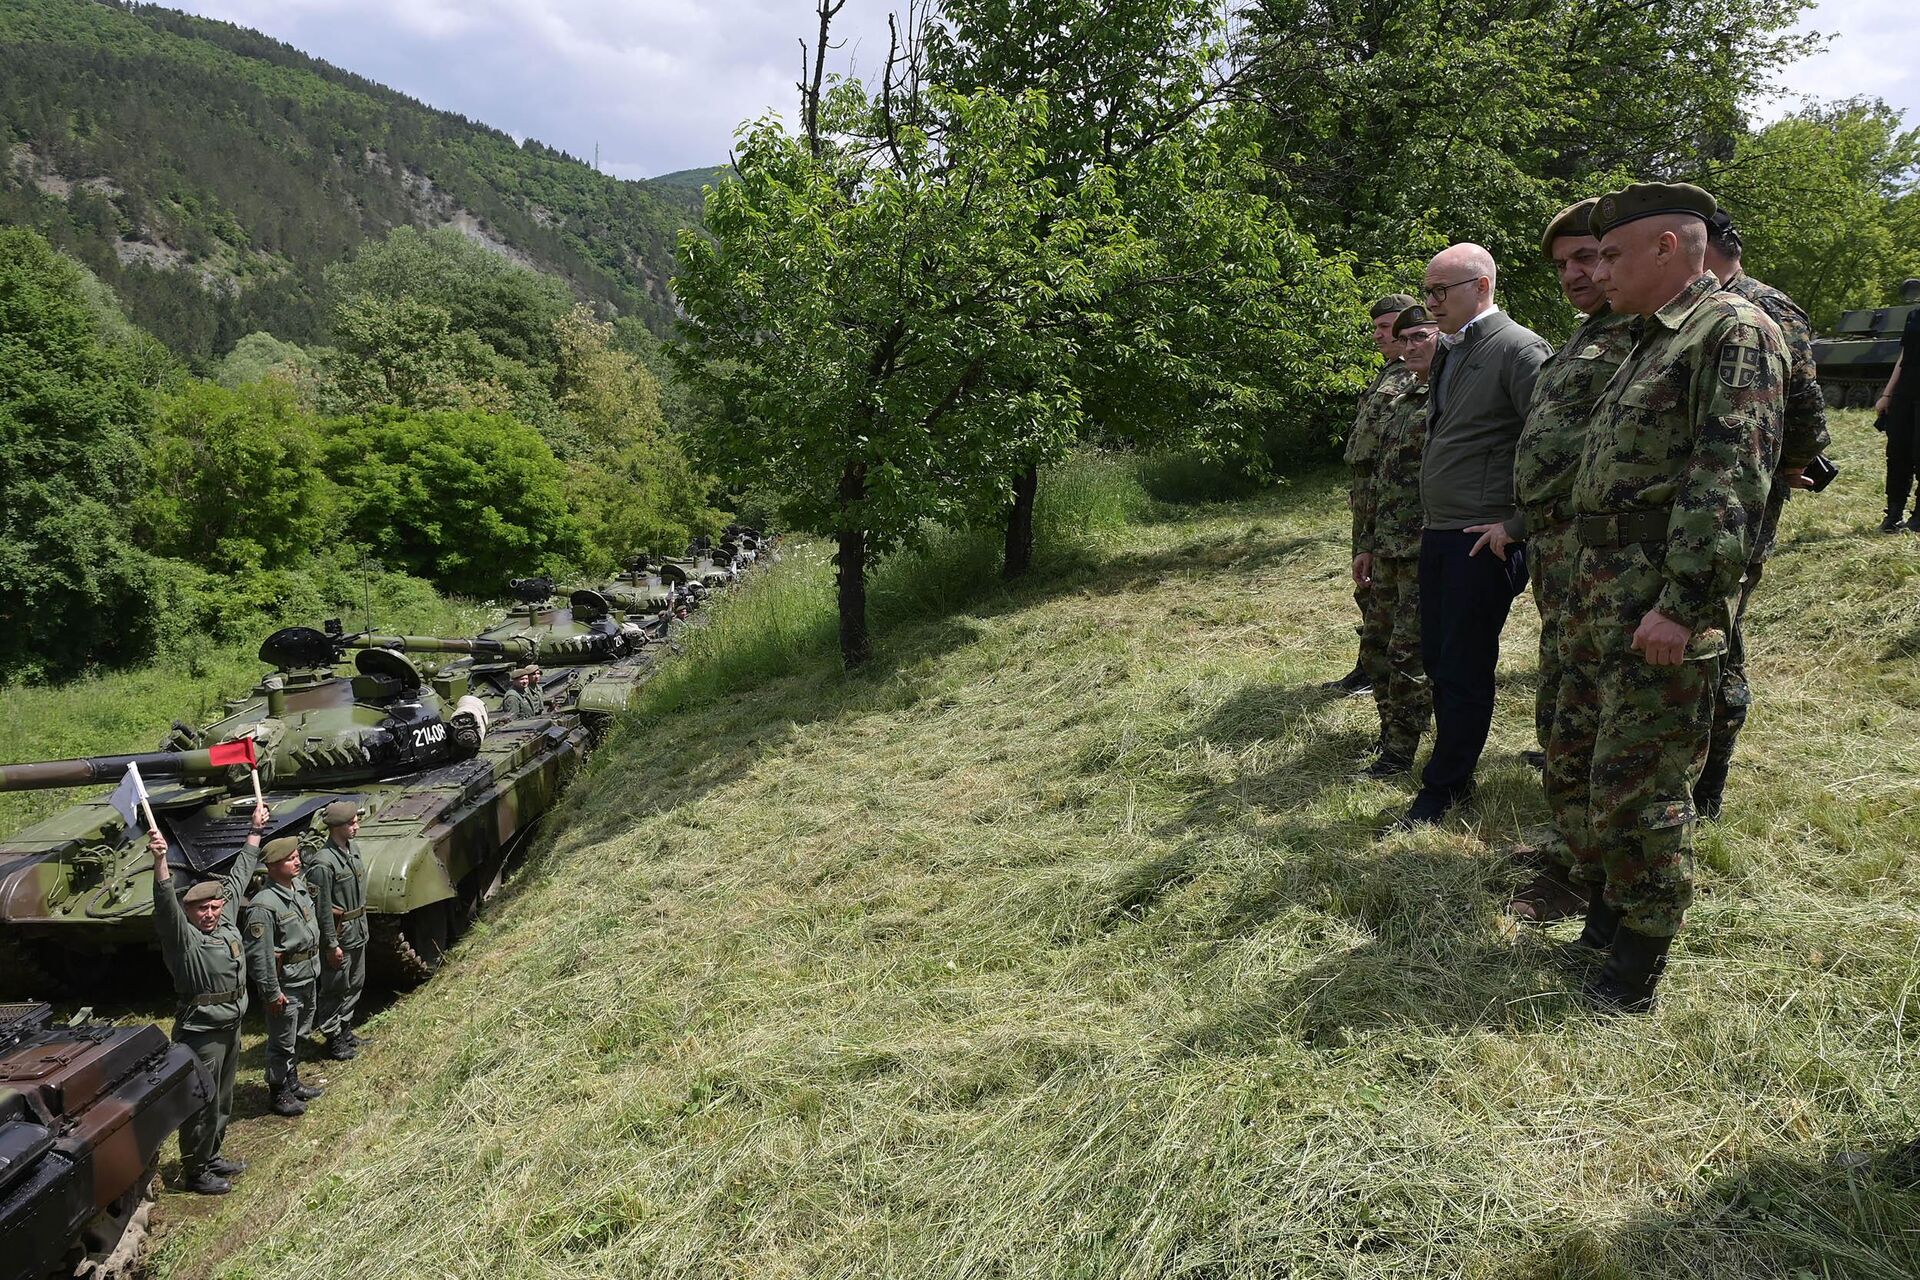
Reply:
x=412, y=728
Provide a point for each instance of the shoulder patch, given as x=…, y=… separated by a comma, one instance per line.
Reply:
x=1741, y=364
x=257, y=929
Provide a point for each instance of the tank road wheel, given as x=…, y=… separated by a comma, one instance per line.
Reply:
x=409, y=949
x=116, y=1240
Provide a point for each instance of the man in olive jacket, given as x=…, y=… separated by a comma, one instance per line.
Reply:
x=337, y=880
x=1482, y=384
x=283, y=958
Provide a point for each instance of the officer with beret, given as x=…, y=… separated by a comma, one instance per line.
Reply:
x=283, y=956
x=1362, y=457
x=337, y=880
x=521, y=700
x=207, y=962
x=1672, y=485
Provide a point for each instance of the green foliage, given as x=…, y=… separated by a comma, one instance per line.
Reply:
x=261, y=356
x=407, y=353
x=234, y=478
x=464, y=500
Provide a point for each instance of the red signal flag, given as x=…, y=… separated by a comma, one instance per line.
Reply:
x=240, y=752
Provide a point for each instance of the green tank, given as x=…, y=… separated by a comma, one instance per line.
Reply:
x=448, y=793
x=1857, y=359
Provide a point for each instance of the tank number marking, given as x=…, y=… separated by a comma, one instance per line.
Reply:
x=428, y=734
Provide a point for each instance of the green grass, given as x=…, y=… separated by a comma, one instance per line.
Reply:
x=1061, y=943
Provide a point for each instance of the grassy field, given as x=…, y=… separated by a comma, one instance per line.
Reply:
x=1063, y=943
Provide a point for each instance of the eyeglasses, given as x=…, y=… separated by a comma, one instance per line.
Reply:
x=1438, y=292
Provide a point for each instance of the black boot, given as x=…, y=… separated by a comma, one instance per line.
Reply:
x=304, y=1092
x=285, y=1102
x=1602, y=923
x=1710, y=791
x=226, y=1167
x=1388, y=765
x=1632, y=971
x=1892, y=523
x=205, y=1182
x=1355, y=681
x=355, y=1039
x=339, y=1047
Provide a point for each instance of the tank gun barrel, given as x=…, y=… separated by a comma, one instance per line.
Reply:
x=516, y=648
x=91, y=770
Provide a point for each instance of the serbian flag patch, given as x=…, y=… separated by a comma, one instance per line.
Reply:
x=240, y=752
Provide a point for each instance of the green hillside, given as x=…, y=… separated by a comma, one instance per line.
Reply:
x=1063, y=943
x=210, y=174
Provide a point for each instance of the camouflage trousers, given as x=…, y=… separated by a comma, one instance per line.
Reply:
x=1733, y=695
x=1628, y=740
x=1373, y=638
x=1400, y=691
x=1552, y=555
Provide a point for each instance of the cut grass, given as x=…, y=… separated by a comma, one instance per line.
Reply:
x=1061, y=943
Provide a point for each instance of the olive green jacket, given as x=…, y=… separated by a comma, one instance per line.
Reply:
x=1482, y=386
x=337, y=880
x=208, y=969
x=283, y=938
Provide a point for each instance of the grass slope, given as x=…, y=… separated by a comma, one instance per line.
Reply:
x=1063, y=944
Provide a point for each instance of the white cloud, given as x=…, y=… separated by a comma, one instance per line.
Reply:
x=1869, y=54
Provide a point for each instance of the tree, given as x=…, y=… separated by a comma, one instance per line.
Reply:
x=407, y=354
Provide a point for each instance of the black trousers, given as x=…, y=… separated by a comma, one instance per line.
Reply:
x=1901, y=427
x=1464, y=601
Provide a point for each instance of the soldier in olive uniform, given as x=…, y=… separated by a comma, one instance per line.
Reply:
x=1386, y=560
x=1672, y=485
x=207, y=962
x=337, y=880
x=1805, y=436
x=521, y=701
x=1362, y=458
x=283, y=956
x=1543, y=469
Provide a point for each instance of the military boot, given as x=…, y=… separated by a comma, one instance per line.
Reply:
x=226, y=1166
x=304, y=1092
x=1632, y=971
x=286, y=1102
x=1602, y=923
x=205, y=1182
x=339, y=1048
x=1547, y=898
x=1355, y=681
x=355, y=1039
x=1891, y=524
x=1389, y=764
x=1711, y=789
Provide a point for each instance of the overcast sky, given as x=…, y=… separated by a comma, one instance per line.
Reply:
x=661, y=85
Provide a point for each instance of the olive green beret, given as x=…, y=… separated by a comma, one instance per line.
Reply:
x=521, y=673
x=278, y=851
x=205, y=891
x=1649, y=200
x=1391, y=303
x=1413, y=315
x=1574, y=220
x=340, y=813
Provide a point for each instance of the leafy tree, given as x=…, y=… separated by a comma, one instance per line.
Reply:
x=466, y=500
x=407, y=353
x=611, y=398
x=235, y=478
x=259, y=357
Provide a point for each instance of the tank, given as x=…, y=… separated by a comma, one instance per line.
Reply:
x=84, y=1111
x=448, y=795
x=1857, y=359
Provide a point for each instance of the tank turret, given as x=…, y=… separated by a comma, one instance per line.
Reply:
x=1856, y=360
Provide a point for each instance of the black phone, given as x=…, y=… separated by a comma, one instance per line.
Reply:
x=1821, y=471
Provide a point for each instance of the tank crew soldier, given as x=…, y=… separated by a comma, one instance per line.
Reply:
x=1679, y=455
x=1362, y=457
x=1482, y=383
x=1899, y=416
x=521, y=702
x=337, y=881
x=1805, y=435
x=534, y=689
x=1390, y=564
x=1544, y=463
x=283, y=955
x=205, y=957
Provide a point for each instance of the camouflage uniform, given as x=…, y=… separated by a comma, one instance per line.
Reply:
x=1392, y=537
x=210, y=980
x=283, y=955
x=336, y=878
x=1363, y=459
x=1805, y=435
x=1672, y=483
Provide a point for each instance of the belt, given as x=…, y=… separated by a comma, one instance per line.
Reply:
x=1622, y=530
x=288, y=958
x=341, y=917
x=206, y=998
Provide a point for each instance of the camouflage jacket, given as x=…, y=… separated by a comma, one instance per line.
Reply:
x=1570, y=382
x=1690, y=427
x=1806, y=429
x=337, y=880
x=1398, y=515
x=283, y=938
x=1363, y=443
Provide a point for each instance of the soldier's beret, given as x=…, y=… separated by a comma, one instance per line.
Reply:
x=1388, y=305
x=278, y=851
x=521, y=673
x=340, y=813
x=205, y=891
x=1649, y=200
x=1413, y=315
x=1574, y=220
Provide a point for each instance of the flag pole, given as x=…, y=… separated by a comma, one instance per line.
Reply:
x=140, y=785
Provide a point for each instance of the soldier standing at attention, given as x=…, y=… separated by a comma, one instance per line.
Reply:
x=1388, y=565
x=283, y=955
x=1805, y=436
x=1544, y=463
x=1362, y=458
x=205, y=958
x=337, y=881
x=521, y=702
x=1672, y=484
x=1899, y=416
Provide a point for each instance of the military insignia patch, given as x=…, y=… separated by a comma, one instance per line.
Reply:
x=1607, y=208
x=1740, y=366
x=257, y=930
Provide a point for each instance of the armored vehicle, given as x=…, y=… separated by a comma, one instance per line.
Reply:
x=446, y=796
x=83, y=1113
x=1858, y=359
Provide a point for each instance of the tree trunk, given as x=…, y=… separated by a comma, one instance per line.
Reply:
x=1019, y=553
x=856, y=646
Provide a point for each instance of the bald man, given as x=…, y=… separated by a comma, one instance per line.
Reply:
x=1482, y=382
x=1672, y=485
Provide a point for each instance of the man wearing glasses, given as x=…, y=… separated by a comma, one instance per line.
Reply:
x=1482, y=383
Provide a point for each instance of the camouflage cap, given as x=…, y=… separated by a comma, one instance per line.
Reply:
x=1574, y=220
x=1391, y=303
x=340, y=813
x=205, y=891
x=278, y=851
x=1649, y=200
x=1412, y=316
